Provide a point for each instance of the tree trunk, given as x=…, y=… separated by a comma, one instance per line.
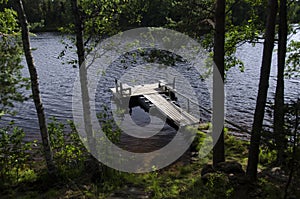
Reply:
x=294, y=152
x=83, y=76
x=279, y=95
x=262, y=91
x=219, y=53
x=35, y=87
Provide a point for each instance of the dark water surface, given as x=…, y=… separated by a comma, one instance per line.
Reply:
x=56, y=83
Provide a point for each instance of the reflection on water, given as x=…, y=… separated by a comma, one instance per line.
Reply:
x=56, y=83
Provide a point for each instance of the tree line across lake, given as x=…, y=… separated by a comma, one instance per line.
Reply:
x=50, y=15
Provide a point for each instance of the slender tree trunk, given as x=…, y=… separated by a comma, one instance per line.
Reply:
x=294, y=153
x=219, y=53
x=35, y=87
x=83, y=76
x=79, y=33
x=262, y=91
x=279, y=95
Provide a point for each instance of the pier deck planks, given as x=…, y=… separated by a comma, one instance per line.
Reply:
x=177, y=114
x=152, y=93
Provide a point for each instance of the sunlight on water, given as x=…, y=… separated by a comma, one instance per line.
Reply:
x=56, y=82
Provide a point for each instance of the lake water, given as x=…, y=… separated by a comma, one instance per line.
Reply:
x=56, y=84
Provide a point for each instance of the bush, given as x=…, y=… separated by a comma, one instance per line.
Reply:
x=218, y=186
x=68, y=151
x=14, y=155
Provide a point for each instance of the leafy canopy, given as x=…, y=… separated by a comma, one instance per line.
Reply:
x=11, y=79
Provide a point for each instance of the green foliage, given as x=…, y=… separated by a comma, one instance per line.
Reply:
x=199, y=140
x=155, y=186
x=266, y=156
x=48, y=15
x=69, y=152
x=268, y=149
x=244, y=23
x=218, y=186
x=236, y=36
x=294, y=11
x=294, y=162
x=269, y=189
x=176, y=181
x=15, y=154
x=182, y=182
x=108, y=126
x=11, y=80
x=102, y=18
x=191, y=17
x=236, y=149
x=293, y=59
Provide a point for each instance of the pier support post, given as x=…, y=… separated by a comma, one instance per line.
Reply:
x=117, y=86
x=121, y=88
x=173, y=83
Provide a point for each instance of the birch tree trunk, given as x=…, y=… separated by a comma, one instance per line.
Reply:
x=83, y=76
x=35, y=87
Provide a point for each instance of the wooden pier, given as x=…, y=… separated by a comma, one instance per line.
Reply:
x=161, y=95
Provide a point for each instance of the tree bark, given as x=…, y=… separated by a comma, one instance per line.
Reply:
x=294, y=153
x=35, y=87
x=262, y=91
x=279, y=95
x=83, y=76
x=219, y=53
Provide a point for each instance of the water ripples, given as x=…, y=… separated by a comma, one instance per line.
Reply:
x=56, y=83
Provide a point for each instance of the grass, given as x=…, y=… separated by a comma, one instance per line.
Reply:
x=176, y=181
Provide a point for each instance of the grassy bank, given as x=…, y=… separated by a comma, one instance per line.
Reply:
x=79, y=177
